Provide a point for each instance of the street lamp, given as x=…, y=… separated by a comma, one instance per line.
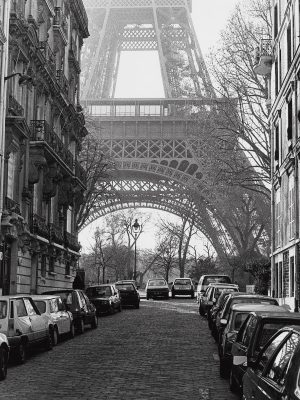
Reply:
x=135, y=228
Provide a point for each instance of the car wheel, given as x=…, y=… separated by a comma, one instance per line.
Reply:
x=3, y=363
x=94, y=323
x=80, y=326
x=173, y=295
x=49, y=341
x=148, y=297
x=22, y=352
x=54, y=336
x=72, y=331
x=223, y=368
x=120, y=308
x=233, y=386
x=192, y=295
x=137, y=305
x=201, y=312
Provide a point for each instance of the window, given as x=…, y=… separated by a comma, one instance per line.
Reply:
x=249, y=331
x=149, y=110
x=51, y=265
x=279, y=366
x=29, y=307
x=266, y=355
x=21, y=310
x=291, y=207
x=292, y=276
x=43, y=265
x=11, y=174
x=41, y=305
x=3, y=309
x=68, y=268
x=280, y=280
x=290, y=120
x=289, y=45
x=53, y=306
x=69, y=219
x=125, y=110
x=277, y=219
x=275, y=26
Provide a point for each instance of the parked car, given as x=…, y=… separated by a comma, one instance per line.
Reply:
x=183, y=287
x=128, y=293
x=129, y=281
x=105, y=298
x=238, y=298
x=257, y=329
x=237, y=315
x=274, y=374
x=157, y=288
x=4, y=355
x=216, y=309
x=61, y=319
x=22, y=323
x=211, y=294
x=76, y=301
x=205, y=280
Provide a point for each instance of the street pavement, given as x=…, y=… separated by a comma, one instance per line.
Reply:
x=162, y=351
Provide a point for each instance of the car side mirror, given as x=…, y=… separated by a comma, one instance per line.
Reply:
x=223, y=321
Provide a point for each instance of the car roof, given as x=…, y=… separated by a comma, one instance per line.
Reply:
x=15, y=296
x=63, y=290
x=277, y=314
x=263, y=308
x=100, y=285
x=178, y=279
x=44, y=296
x=225, y=285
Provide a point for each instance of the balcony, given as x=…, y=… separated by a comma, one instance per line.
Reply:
x=39, y=226
x=14, y=107
x=71, y=241
x=49, y=56
x=80, y=173
x=56, y=234
x=41, y=131
x=263, y=58
x=63, y=82
x=60, y=25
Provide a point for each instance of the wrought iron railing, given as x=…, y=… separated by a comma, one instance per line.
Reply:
x=14, y=107
x=39, y=226
x=56, y=234
x=40, y=130
x=63, y=82
x=71, y=241
x=80, y=173
x=12, y=206
x=49, y=55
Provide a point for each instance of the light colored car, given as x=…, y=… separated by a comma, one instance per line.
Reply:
x=54, y=309
x=22, y=323
x=205, y=280
x=4, y=356
x=157, y=288
x=183, y=286
x=211, y=294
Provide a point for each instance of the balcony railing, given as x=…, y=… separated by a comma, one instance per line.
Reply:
x=14, y=107
x=39, y=226
x=12, y=206
x=63, y=82
x=40, y=130
x=80, y=173
x=60, y=21
x=49, y=56
x=263, y=57
x=56, y=234
x=71, y=241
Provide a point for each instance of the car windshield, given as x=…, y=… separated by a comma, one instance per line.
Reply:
x=3, y=309
x=125, y=287
x=99, y=291
x=239, y=319
x=182, y=282
x=41, y=305
x=157, y=282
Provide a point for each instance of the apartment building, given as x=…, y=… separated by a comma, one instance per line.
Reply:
x=43, y=182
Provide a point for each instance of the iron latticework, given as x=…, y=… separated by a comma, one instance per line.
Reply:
x=158, y=161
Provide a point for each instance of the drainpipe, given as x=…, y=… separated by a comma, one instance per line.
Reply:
x=3, y=102
x=296, y=202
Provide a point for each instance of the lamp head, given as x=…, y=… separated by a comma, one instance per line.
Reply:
x=136, y=226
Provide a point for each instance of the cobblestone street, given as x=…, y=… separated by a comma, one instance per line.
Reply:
x=163, y=351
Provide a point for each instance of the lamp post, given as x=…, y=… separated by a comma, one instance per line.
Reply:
x=136, y=228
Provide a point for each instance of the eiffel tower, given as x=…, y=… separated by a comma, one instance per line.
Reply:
x=158, y=161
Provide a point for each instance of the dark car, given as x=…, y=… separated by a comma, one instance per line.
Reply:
x=212, y=315
x=238, y=314
x=238, y=298
x=157, y=287
x=105, y=298
x=253, y=335
x=274, y=374
x=83, y=311
x=128, y=294
x=183, y=287
x=211, y=295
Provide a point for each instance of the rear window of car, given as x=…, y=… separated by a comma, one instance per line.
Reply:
x=3, y=309
x=216, y=279
x=128, y=287
x=239, y=319
x=157, y=282
x=182, y=282
x=41, y=305
x=99, y=291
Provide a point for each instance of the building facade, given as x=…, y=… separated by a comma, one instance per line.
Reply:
x=43, y=182
x=279, y=59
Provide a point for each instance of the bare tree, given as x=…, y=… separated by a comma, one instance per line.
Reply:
x=167, y=256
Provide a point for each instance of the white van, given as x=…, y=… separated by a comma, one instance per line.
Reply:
x=205, y=280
